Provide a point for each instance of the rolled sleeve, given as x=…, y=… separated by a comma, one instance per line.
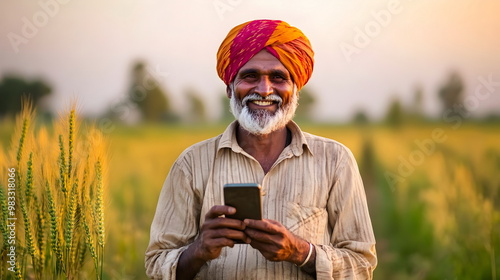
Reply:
x=162, y=264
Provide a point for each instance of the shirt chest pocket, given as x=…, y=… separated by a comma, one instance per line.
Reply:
x=308, y=222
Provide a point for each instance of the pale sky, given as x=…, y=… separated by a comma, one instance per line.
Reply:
x=365, y=51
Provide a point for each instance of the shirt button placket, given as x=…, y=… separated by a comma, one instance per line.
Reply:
x=264, y=189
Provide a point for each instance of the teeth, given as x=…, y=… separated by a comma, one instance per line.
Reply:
x=262, y=103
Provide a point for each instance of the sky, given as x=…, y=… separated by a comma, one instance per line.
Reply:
x=366, y=52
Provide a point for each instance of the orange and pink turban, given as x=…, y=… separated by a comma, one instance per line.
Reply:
x=285, y=42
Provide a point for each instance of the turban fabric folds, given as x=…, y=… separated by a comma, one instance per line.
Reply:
x=287, y=43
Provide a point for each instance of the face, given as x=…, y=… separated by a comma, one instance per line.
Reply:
x=263, y=95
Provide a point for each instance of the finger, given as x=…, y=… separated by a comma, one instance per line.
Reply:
x=215, y=237
x=219, y=210
x=263, y=247
x=217, y=243
x=237, y=235
x=221, y=222
x=269, y=250
x=264, y=225
x=259, y=236
x=228, y=233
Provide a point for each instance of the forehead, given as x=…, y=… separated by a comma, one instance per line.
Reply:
x=263, y=61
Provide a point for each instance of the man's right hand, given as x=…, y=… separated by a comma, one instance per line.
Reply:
x=216, y=233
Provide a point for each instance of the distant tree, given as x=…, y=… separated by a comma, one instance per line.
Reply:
x=14, y=88
x=418, y=101
x=367, y=165
x=306, y=102
x=416, y=110
x=491, y=118
x=197, y=111
x=451, y=95
x=148, y=95
x=395, y=115
x=226, y=114
x=360, y=117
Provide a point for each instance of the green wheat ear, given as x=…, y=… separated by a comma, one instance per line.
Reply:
x=29, y=179
x=99, y=205
x=62, y=165
x=100, y=214
x=28, y=236
x=71, y=141
x=5, y=215
x=82, y=249
x=22, y=140
x=70, y=220
x=40, y=232
x=17, y=271
x=60, y=198
x=26, y=116
x=54, y=226
x=77, y=241
x=89, y=241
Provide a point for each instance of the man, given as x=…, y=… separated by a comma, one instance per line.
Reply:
x=316, y=222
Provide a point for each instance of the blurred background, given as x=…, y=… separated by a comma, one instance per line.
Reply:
x=412, y=87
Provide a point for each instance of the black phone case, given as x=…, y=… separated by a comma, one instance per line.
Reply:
x=246, y=198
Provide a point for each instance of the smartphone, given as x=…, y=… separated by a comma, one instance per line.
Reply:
x=246, y=198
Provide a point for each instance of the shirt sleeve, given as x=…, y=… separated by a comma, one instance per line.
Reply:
x=351, y=253
x=174, y=225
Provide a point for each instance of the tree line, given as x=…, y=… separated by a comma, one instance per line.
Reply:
x=152, y=103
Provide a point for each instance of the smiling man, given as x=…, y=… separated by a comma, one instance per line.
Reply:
x=315, y=217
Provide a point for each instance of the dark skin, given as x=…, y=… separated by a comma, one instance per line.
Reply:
x=264, y=75
x=216, y=233
x=263, y=147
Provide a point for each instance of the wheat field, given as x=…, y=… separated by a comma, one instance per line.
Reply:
x=433, y=193
x=52, y=199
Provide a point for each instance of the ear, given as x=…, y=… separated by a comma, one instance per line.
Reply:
x=228, y=91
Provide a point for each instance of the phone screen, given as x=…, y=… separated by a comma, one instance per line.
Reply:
x=246, y=198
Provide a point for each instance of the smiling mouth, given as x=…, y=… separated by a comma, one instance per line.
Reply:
x=263, y=102
x=260, y=101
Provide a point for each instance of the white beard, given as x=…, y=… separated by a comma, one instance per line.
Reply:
x=261, y=121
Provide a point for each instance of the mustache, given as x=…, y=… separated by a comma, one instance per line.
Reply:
x=254, y=97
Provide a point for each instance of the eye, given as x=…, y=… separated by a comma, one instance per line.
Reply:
x=278, y=78
x=249, y=76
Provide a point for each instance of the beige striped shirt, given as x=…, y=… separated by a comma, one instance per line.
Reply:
x=314, y=189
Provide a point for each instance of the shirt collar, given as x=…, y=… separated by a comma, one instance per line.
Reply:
x=297, y=146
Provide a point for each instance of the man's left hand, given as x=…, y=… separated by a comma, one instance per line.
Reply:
x=275, y=242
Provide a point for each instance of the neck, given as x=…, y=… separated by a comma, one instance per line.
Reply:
x=264, y=148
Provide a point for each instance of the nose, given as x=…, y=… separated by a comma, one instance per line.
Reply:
x=264, y=87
